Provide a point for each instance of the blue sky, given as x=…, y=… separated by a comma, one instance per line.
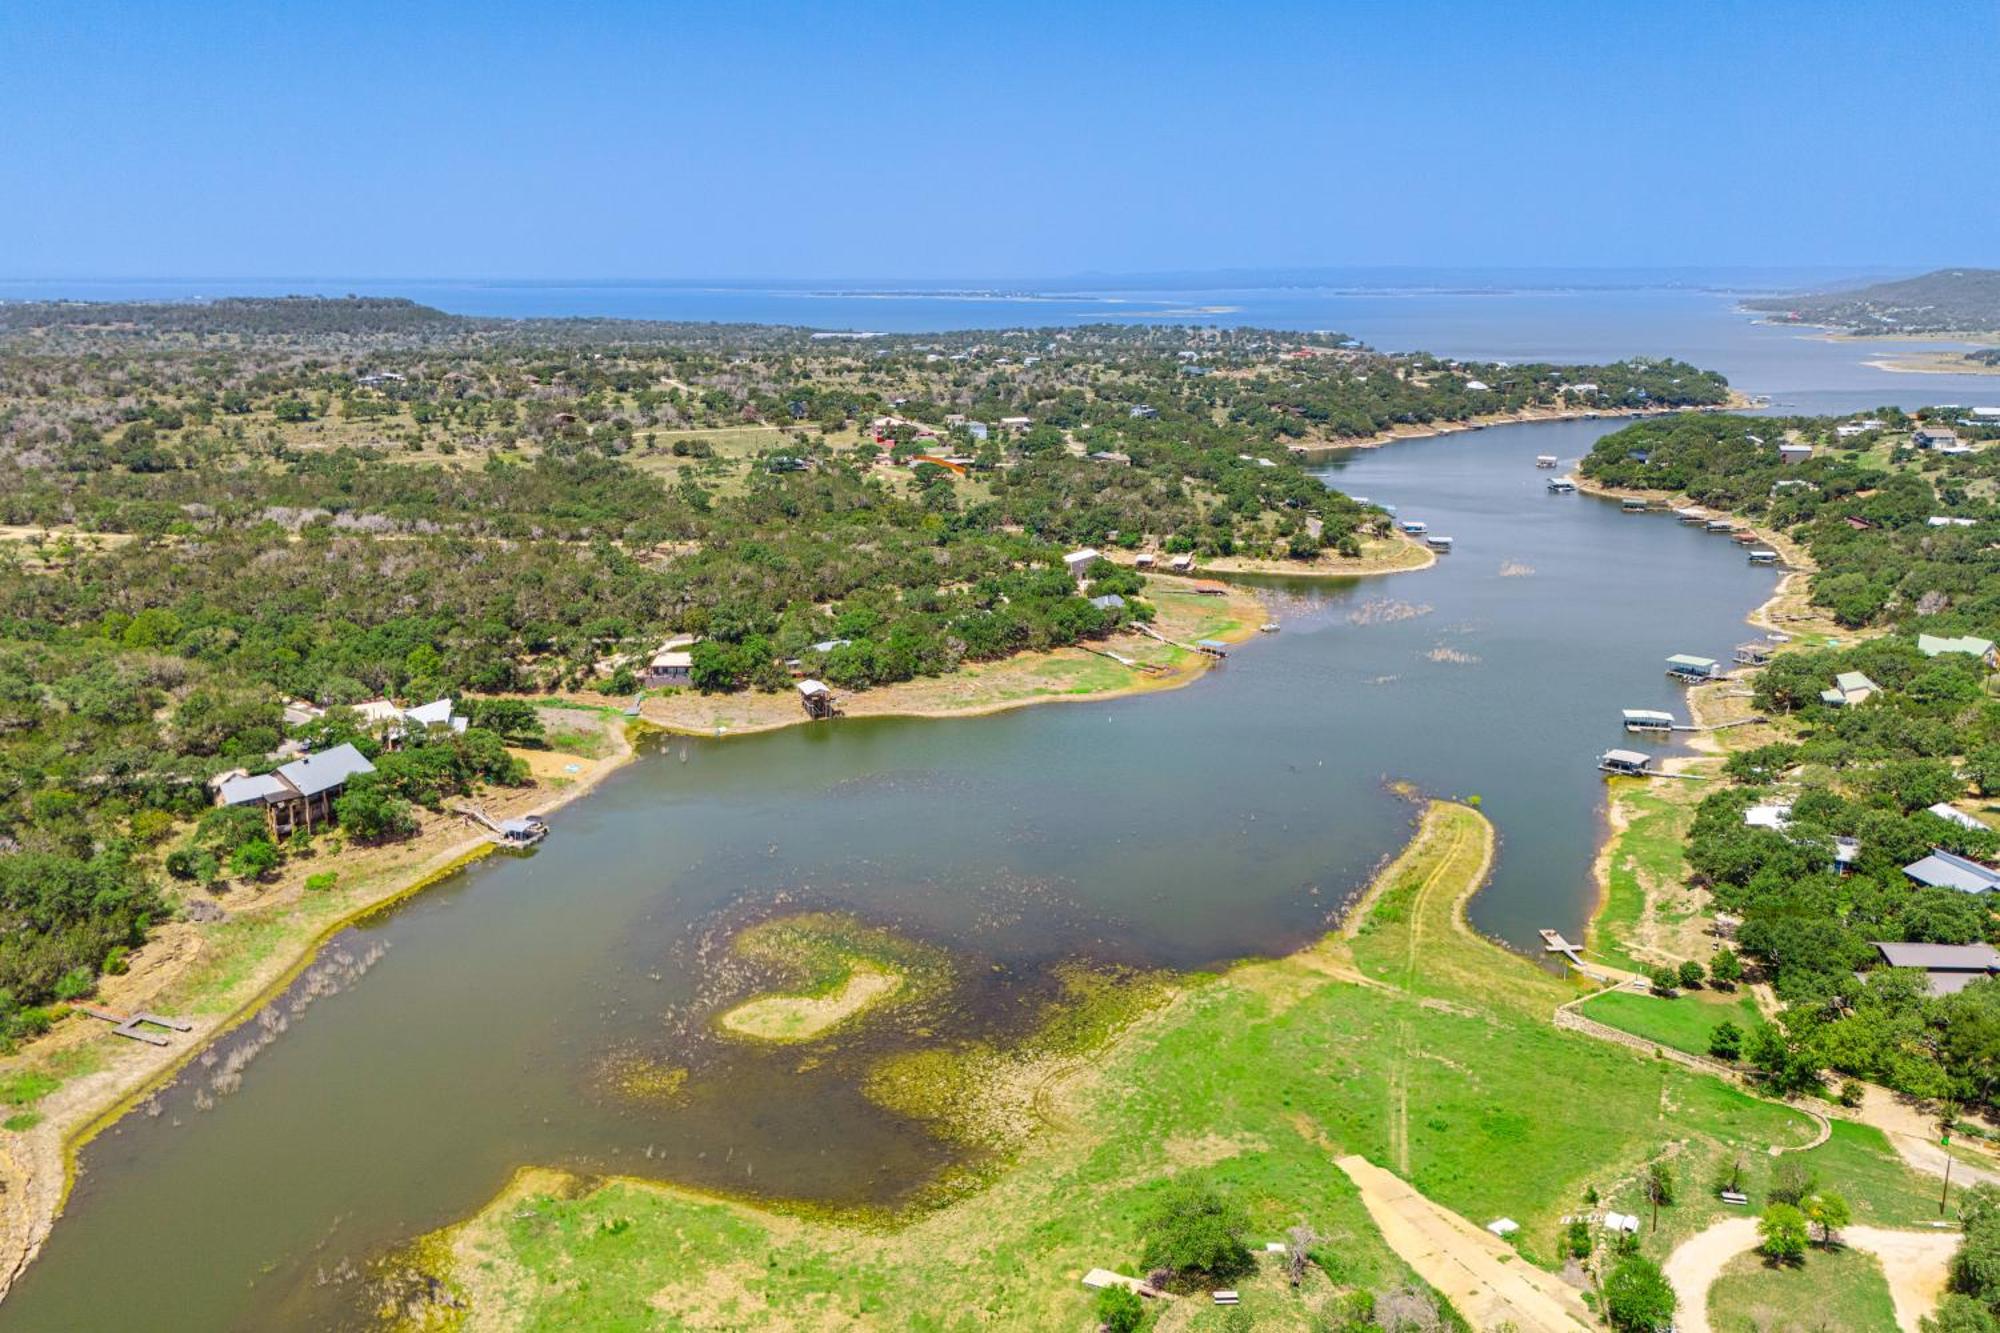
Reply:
x=521, y=140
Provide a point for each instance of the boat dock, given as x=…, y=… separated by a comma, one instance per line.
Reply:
x=134, y=1025
x=1553, y=942
x=1648, y=719
x=1562, y=486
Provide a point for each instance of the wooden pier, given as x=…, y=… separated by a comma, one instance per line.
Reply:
x=134, y=1025
x=1553, y=942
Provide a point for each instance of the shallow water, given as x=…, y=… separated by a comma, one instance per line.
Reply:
x=1182, y=829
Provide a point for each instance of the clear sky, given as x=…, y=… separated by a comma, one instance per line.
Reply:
x=624, y=139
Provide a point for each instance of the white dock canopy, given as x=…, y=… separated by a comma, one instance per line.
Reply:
x=1648, y=719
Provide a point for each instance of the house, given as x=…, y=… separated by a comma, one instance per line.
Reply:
x=1952, y=814
x=1016, y=423
x=1478, y=386
x=1794, y=453
x=1931, y=645
x=1144, y=413
x=1144, y=560
x=1948, y=870
x=1689, y=668
x=1113, y=457
x=1181, y=564
x=1932, y=437
x=392, y=722
x=1948, y=521
x=672, y=665
x=977, y=430
x=1948, y=968
x=1078, y=563
x=1774, y=815
x=1848, y=430
x=299, y=794
x=1110, y=601
x=828, y=645
x=1849, y=688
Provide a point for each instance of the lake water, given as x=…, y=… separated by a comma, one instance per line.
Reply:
x=1182, y=829
x=1490, y=314
x=1229, y=818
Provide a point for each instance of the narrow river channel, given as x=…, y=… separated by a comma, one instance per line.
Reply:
x=1182, y=830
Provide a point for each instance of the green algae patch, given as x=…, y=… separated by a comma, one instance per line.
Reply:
x=992, y=1095
x=832, y=971
x=643, y=1078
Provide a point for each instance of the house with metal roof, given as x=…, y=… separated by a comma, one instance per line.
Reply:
x=1948, y=870
x=1078, y=563
x=1849, y=688
x=299, y=794
x=1952, y=814
x=1932, y=645
x=1948, y=968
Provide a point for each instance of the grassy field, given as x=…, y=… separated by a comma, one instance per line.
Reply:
x=1638, y=922
x=1413, y=1042
x=1841, y=1289
x=1683, y=1023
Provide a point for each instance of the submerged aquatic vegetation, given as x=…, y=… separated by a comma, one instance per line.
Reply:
x=643, y=1078
x=991, y=1095
x=832, y=971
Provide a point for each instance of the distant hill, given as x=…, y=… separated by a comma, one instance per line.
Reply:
x=1951, y=300
x=260, y=316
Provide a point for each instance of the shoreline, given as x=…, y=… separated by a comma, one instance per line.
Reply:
x=1618, y=814
x=39, y=1165
x=1527, y=416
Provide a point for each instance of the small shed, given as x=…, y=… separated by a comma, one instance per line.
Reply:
x=1144, y=560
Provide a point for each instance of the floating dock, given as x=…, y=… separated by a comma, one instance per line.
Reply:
x=1648, y=719
x=1562, y=486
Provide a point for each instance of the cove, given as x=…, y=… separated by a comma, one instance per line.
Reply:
x=1181, y=830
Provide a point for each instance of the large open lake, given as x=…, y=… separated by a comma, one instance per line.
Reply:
x=1230, y=818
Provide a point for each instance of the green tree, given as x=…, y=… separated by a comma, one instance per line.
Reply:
x=1781, y=1233
x=1726, y=969
x=1193, y=1230
x=1691, y=974
x=1725, y=1041
x=1637, y=1296
x=1660, y=1186
x=1829, y=1212
x=1663, y=979
x=372, y=813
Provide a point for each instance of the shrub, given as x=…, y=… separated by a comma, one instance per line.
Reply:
x=1725, y=1042
x=1663, y=979
x=322, y=881
x=254, y=859
x=1691, y=974
x=1193, y=1230
x=1120, y=1310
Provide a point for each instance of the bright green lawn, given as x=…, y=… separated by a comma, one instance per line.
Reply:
x=1684, y=1022
x=1840, y=1290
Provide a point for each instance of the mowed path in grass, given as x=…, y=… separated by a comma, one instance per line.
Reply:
x=1407, y=1040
